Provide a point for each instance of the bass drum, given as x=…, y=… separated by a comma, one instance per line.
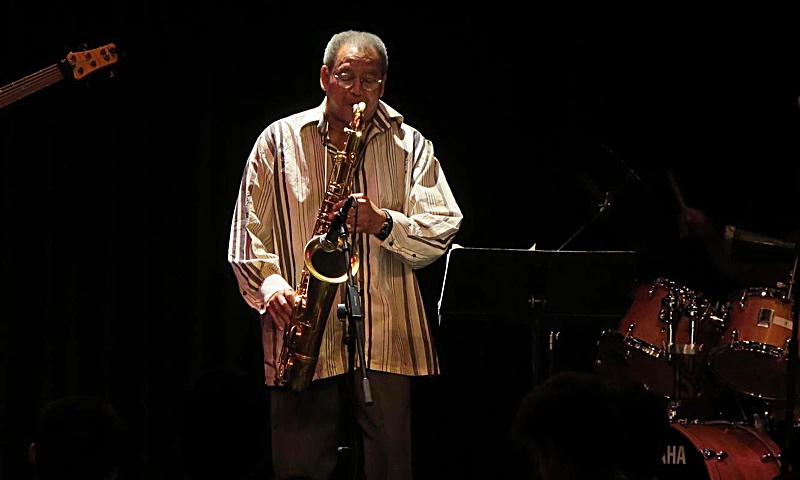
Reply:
x=719, y=450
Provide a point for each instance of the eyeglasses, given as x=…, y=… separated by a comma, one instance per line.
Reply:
x=347, y=80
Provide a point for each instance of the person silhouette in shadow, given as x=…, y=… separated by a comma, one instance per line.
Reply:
x=78, y=437
x=577, y=425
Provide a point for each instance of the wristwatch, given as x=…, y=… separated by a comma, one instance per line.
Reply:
x=386, y=229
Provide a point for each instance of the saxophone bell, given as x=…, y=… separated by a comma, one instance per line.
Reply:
x=330, y=240
x=327, y=265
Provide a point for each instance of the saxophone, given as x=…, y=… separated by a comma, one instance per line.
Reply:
x=324, y=270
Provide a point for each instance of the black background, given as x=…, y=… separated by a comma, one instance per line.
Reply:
x=117, y=191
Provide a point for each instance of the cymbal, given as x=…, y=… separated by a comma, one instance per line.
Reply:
x=747, y=245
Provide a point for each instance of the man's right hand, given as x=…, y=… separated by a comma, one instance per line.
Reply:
x=694, y=222
x=279, y=308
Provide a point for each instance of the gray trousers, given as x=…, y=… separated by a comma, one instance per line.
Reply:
x=308, y=427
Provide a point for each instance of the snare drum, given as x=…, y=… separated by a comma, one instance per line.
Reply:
x=719, y=450
x=667, y=327
x=753, y=350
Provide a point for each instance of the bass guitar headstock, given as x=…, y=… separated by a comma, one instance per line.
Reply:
x=82, y=63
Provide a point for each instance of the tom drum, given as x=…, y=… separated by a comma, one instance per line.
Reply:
x=662, y=340
x=752, y=355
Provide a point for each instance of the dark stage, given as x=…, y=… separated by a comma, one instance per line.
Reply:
x=118, y=190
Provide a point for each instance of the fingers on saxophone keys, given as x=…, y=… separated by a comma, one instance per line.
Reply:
x=280, y=319
x=283, y=324
x=281, y=299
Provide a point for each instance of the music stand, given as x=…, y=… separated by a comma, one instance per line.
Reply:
x=545, y=289
x=493, y=308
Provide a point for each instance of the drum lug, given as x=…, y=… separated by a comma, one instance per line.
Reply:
x=670, y=309
x=719, y=455
x=631, y=329
x=742, y=299
x=717, y=316
x=768, y=457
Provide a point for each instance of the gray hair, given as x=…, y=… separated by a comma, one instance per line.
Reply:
x=357, y=39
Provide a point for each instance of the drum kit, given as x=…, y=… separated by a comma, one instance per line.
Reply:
x=701, y=354
x=724, y=366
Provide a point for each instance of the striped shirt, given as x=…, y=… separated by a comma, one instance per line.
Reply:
x=281, y=193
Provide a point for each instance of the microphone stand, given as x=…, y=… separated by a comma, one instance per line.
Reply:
x=553, y=335
x=603, y=207
x=625, y=166
x=351, y=312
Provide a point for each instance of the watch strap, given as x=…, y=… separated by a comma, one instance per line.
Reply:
x=386, y=229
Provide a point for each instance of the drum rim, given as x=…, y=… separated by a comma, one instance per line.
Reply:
x=645, y=347
x=682, y=289
x=747, y=346
x=750, y=347
x=778, y=293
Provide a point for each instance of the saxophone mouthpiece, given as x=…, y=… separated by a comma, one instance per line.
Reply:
x=359, y=107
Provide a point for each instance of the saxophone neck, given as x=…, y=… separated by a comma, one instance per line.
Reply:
x=355, y=130
x=339, y=135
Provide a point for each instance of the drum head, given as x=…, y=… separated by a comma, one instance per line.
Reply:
x=751, y=370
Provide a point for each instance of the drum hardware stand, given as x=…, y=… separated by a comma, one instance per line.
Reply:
x=667, y=314
x=674, y=402
x=537, y=306
x=676, y=355
x=791, y=368
x=551, y=343
x=672, y=310
x=682, y=356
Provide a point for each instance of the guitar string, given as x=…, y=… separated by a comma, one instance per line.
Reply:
x=38, y=80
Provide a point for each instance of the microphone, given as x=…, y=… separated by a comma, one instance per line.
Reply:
x=330, y=240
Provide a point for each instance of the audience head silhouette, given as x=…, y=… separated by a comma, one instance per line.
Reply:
x=78, y=437
x=578, y=426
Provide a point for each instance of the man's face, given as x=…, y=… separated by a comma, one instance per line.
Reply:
x=356, y=77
